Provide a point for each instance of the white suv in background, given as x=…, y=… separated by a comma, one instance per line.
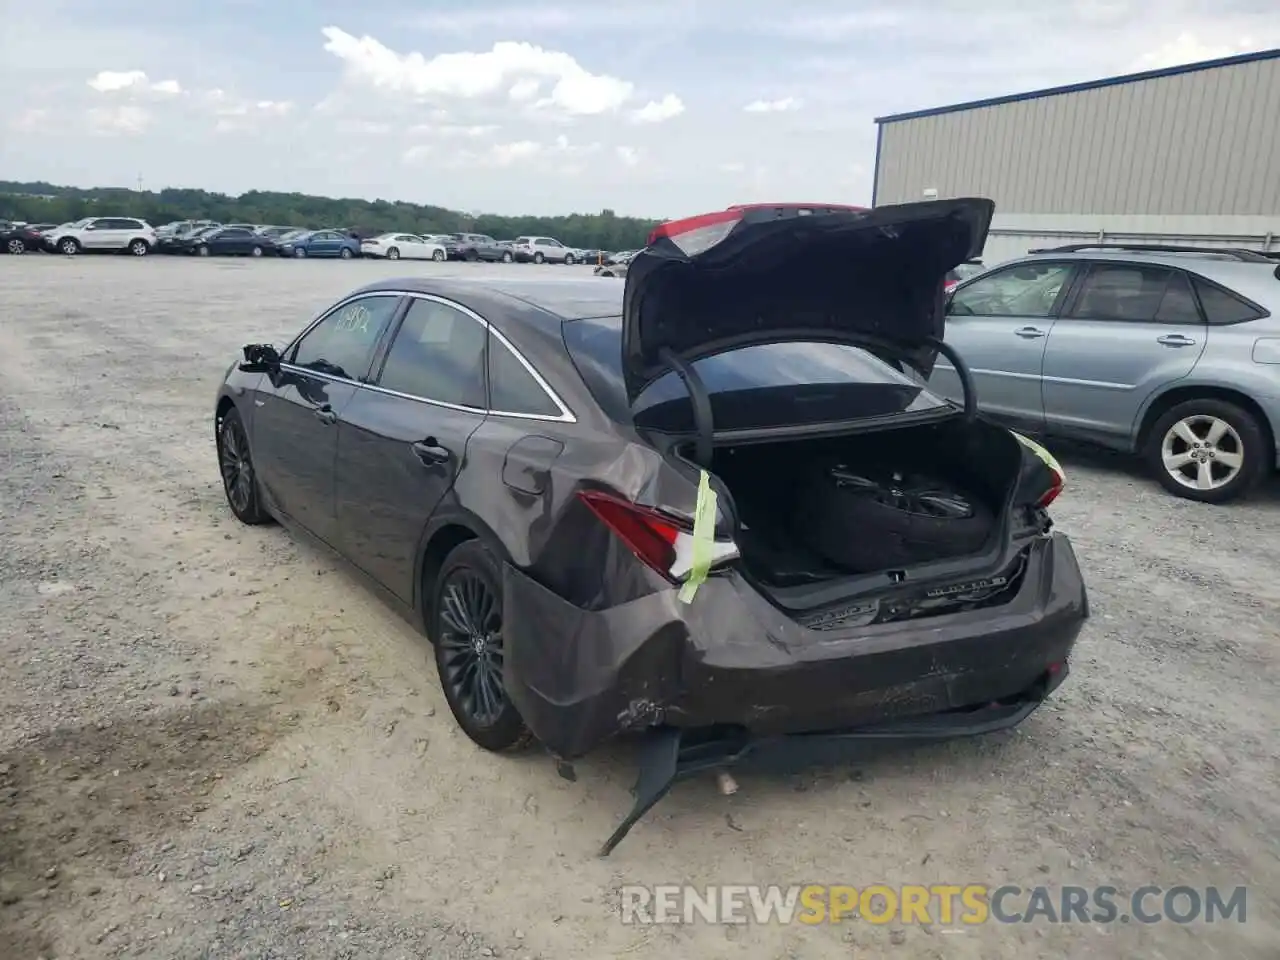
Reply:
x=104, y=233
x=542, y=250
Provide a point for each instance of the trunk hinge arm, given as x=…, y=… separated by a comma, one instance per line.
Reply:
x=962, y=373
x=703, y=421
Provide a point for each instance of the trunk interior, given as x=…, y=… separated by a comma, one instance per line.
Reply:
x=815, y=511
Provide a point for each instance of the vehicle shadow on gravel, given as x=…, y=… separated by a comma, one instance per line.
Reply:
x=77, y=802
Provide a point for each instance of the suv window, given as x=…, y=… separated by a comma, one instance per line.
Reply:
x=438, y=354
x=342, y=344
x=548, y=242
x=1022, y=290
x=512, y=388
x=520, y=240
x=235, y=232
x=1222, y=306
x=1136, y=293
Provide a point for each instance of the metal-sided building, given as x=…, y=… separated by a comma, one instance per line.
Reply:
x=1189, y=154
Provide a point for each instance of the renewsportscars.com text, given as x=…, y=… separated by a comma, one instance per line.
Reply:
x=936, y=904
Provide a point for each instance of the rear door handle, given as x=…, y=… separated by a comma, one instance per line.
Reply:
x=1029, y=333
x=325, y=414
x=1175, y=340
x=430, y=452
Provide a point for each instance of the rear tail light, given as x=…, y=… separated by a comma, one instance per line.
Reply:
x=693, y=235
x=1057, y=476
x=661, y=542
x=1050, y=495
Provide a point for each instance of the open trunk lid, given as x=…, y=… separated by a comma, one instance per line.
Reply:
x=748, y=276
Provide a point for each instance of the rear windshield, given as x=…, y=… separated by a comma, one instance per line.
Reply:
x=771, y=385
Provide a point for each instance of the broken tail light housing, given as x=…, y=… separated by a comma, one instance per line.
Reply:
x=660, y=541
x=1055, y=488
x=693, y=235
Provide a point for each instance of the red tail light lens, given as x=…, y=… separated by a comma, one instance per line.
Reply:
x=648, y=535
x=693, y=235
x=1059, y=481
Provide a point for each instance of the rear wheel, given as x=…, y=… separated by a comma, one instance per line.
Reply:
x=506, y=256
x=139, y=248
x=235, y=462
x=570, y=259
x=393, y=254
x=1208, y=450
x=467, y=629
x=346, y=253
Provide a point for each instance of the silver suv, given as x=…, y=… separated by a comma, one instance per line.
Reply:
x=1172, y=353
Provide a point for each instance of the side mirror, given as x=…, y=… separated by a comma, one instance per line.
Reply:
x=259, y=358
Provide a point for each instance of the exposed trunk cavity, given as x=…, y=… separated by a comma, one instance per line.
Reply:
x=872, y=509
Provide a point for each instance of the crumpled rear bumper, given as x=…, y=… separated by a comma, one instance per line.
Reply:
x=730, y=658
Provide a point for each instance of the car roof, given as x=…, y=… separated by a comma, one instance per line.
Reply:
x=565, y=299
x=1259, y=281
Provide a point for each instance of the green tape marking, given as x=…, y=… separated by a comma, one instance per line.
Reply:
x=1048, y=458
x=704, y=533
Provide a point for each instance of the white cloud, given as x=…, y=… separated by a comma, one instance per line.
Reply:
x=783, y=105
x=131, y=81
x=735, y=166
x=628, y=155
x=1189, y=48
x=658, y=111
x=472, y=76
x=126, y=119
x=31, y=120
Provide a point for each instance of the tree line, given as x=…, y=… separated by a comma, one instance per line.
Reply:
x=41, y=202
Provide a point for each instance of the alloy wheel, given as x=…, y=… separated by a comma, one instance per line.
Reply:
x=1202, y=452
x=17, y=247
x=470, y=643
x=236, y=467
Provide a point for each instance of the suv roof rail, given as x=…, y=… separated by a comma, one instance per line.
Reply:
x=1237, y=253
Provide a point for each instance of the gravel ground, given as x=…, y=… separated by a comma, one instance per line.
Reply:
x=218, y=744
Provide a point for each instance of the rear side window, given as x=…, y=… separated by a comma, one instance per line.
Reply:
x=754, y=387
x=438, y=354
x=1222, y=306
x=512, y=388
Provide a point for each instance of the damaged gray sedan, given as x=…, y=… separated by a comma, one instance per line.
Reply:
x=713, y=505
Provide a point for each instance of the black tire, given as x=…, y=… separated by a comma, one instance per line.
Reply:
x=16, y=247
x=346, y=253
x=1244, y=436
x=255, y=252
x=471, y=256
x=235, y=463
x=393, y=253
x=506, y=256
x=439, y=256
x=69, y=246
x=471, y=577
x=139, y=247
x=570, y=259
x=538, y=257
x=300, y=253
x=879, y=523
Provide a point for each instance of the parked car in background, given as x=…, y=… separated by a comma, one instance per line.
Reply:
x=104, y=235
x=321, y=243
x=178, y=228
x=17, y=239
x=592, y=256
x=448, y=241
x=542, y=250
x=230, y=242
x=183, y=242
x=622, y=256
x=276, y=232
x=478, y=246
x=616, y=268
x=410, y=246
x=1172, y=353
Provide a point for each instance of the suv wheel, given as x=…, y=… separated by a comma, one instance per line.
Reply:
x=139, y=248
x=506, y=256
x=570, y=259
x=439, y=256
x=69, y=245
x=538, y=257
x=1208, y=450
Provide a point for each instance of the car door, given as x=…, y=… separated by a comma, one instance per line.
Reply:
x=295, y=435
x=413, y=247
x=235, y=240
x=555, y=250
x=402, y=440
x=999, y=323
x=323, y=243
x=1128, y=329
x=96, y=235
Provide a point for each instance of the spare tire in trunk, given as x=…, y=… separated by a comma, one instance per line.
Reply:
x=881, y=518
